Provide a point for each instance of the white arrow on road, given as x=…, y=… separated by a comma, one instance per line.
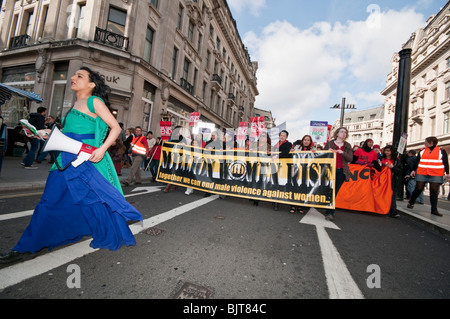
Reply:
x=141, y=190
x=339, y=280
x=147, y=190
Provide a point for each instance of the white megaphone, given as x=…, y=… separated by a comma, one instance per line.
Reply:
x=57, y=141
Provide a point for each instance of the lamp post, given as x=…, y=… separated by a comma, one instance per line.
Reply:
x=343, y=107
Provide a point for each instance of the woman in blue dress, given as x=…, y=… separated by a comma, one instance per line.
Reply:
x=86, y=200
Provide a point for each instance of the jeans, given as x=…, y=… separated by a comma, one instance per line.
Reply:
x=340, y=179
x=29, y=159
x=411, y=186
x=154, y=168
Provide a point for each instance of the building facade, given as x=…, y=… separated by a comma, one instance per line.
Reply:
x=364, y=124
x=162, y=59
x=429, y=105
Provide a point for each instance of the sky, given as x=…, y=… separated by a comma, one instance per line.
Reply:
x=311, y=54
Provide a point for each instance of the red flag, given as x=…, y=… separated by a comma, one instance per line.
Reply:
x=166, y=130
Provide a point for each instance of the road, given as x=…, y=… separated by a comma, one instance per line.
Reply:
x=207, y=247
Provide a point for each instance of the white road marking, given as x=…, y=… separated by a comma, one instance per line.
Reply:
x=16, y=215
x=143, y=191
x=339, y=280
x=19, y=272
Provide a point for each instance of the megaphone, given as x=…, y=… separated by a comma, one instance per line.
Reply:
x=57, y=141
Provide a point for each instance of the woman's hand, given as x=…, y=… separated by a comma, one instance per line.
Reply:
x=97, y=155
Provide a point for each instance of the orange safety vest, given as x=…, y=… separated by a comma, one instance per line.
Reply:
x=431, y=162
x=137, y=146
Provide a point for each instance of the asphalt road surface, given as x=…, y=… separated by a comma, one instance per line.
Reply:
x=212, y=248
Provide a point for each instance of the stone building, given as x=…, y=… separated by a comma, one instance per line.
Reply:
x=162, y=59
x=364, y=124
x=429, y=105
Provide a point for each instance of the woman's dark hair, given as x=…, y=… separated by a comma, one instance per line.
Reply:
x=101, y=89
x=432, y=140
x=393, y=151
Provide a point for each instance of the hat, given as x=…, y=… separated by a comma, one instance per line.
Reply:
x=376, y=146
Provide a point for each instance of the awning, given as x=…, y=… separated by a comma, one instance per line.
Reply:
x=6, y=92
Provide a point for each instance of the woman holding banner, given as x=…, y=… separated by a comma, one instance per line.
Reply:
x=283, y=147
x=86, y=200
x=432, y=163
x=344, y=156
x=366, y=155
x=390, y=160
x=305, y=144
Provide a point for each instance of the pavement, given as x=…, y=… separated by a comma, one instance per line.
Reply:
x=14, y=179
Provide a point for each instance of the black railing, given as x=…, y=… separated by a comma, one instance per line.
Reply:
x=217, y=78
x=111, y=38
x=187, y=86
x=19, y=41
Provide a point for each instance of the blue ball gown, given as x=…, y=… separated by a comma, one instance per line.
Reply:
x=81, y=201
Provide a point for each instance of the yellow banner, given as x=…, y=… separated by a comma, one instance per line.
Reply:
x=306, y=179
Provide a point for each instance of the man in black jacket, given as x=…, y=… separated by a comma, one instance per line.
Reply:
x=38, y=120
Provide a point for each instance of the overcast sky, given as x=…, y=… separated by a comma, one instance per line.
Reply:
x=313, y=53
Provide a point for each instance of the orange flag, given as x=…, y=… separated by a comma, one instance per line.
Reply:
x=367, y=190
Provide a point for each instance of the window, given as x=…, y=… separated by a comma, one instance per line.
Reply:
x=191, y=31
x=447, y=90
x=447, y=122
x=154, y=3
x=116, y=21
x=180, y=17
x=44, y=15
x=148, y=44
x=195, y=79
x=204, y=90
x=186, y=67
x=217, y=44
x=82, y=12
x=208, y=58
x=199, y=43
x=174, y=62
x=29, y=26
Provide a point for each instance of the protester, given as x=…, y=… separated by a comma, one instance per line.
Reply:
x=86, y=200
x=117, y=151
x=410, y=165
x=432, y=163
x=344, y=155
x=377, y=150
x=391, y=161
x=366, y=155
x=305, y=144
x=50, y=123
x=175, y=137
x=129, y=135
x=264, y=149
x=282, y=150
x=38, y=121
x=151, y=142
x=155, y=156
x=138, y=151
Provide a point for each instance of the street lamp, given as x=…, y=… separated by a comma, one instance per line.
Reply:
x=343, y=107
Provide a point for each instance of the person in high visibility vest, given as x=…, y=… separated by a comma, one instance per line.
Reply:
x=139, y=151
x=432, y=164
